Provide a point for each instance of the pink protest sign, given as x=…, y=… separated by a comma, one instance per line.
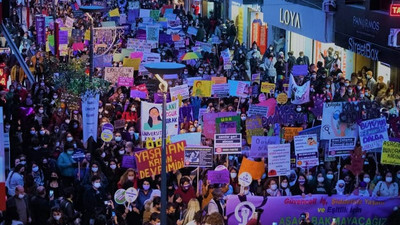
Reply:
x=125, y=81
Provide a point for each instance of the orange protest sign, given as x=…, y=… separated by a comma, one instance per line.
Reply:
x=290, y=132
x=256, y=169
x=218, y=80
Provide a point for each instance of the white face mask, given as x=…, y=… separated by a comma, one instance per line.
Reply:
x=97, y=185
x=246, y=192
x=113, y=166
x=367, y=180
x=389, y=179
x=320, y=179
x=284, y=185
x=233, y=175
x=274, y=187
x=131, y=177
x=57, y=217
x=21, y=196
x=121, y=152
x=41, y=111
x=192, y=129
x=95, y=169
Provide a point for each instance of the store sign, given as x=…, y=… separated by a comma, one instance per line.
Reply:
x=363, y=48
x=395, y=10
x=366, y=24
x=289, y=18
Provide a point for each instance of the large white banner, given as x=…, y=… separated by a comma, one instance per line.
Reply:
x=342, y=136
x=298, y=94
x=90, y=115
x=151, y=120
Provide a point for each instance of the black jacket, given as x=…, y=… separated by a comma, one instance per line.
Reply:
x=40, y=208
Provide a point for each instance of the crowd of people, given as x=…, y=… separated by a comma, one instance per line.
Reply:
x=45, y=185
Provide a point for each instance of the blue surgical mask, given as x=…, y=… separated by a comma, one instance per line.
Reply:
x=117, y=138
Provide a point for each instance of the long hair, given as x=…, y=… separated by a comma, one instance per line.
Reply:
x=150, y=121
x=193, y=207
x=124, y=177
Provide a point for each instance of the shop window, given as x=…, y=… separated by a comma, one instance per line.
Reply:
x=383, y=5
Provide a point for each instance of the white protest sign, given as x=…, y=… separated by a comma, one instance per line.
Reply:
x=131, y=194
x=182, y=90
x=245, y=179
x=306, y=149
x=278, y=160
x=112, y=73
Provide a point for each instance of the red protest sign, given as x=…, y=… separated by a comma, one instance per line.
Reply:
x=148, y=162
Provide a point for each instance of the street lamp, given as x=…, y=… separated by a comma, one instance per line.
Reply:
x=160, y=69
x=91, y=9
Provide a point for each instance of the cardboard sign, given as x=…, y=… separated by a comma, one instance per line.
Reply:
x=306, y=150
x=218, y=177
x=111, y=74
x=290, y=132
x=342, y=136
x=199, y=156
x=182, y=90
x=220, y=90
x=267, y=87
x=390, y=153
x=278, y=160
x=373, y=133
x=228, y=143
x=255, y=169
x=134, y=63
x=257, y=110
x=148, y=161
x=119, y=124
x=194, y=138
x=209, y=122
x=202, y=88
x=259, y=145
x=254, y=127
x=228, y=125
x=125, y=81
x=218, y=80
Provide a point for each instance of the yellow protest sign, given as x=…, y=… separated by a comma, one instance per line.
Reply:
x=256, y=169
x=391, y=153
x=202, y=88
x=157, y=143
x=282, y=98
x=87, y=34
x=290, y=132
x=135, y=63
x=267, y=87
x=114, y=13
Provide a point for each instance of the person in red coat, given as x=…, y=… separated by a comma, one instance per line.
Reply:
x=186, y=190
x=129, y=175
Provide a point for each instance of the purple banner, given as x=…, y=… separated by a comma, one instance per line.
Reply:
x=40, y=29
x=300, y=70
x=218, y=177
x=322, y=209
